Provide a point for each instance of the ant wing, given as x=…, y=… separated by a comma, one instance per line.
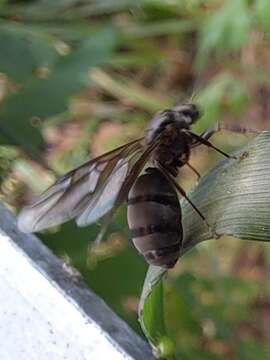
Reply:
x=88, y=192
x=114, y=190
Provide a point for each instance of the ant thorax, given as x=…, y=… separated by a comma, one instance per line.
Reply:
x=174, y=149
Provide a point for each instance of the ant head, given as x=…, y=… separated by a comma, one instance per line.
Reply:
x=188, y=113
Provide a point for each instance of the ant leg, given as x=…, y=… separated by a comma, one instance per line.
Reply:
x=183, y=193
x=229, y=127
x=206, y=134
x=194, y=170
x=238, y=129
x=201, y=140
x=210, y=132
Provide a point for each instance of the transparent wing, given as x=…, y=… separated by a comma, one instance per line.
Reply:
x=86, y=193
x=115, y=189
x=100, y=203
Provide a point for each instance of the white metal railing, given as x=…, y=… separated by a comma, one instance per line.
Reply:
x=45, y=313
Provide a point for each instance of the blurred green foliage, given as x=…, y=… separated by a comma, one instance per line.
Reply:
x=78, y=77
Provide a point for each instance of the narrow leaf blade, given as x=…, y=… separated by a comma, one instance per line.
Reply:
x=234, y=197
x=151, y=313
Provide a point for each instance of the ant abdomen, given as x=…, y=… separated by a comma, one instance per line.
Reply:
x=154, y=218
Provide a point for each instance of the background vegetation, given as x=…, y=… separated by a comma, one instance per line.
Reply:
x=78, y=78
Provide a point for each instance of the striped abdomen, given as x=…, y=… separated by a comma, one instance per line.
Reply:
x=154, y=218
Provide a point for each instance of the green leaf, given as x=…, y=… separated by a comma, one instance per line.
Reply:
x=225, y=31
x=224, y=88
x=28, y=50
x=130, y=91
x=250, y=349
x=68, y=9
x=151, y=300
x=234, y=197
x=262, y=11
x=157, y=28
x=151, y=313
x=75, y=9
x=43, y=98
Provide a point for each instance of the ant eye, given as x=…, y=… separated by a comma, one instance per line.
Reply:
x=193, y=113
x=187, y=113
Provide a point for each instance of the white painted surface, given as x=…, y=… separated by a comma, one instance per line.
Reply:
x=37, y=321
